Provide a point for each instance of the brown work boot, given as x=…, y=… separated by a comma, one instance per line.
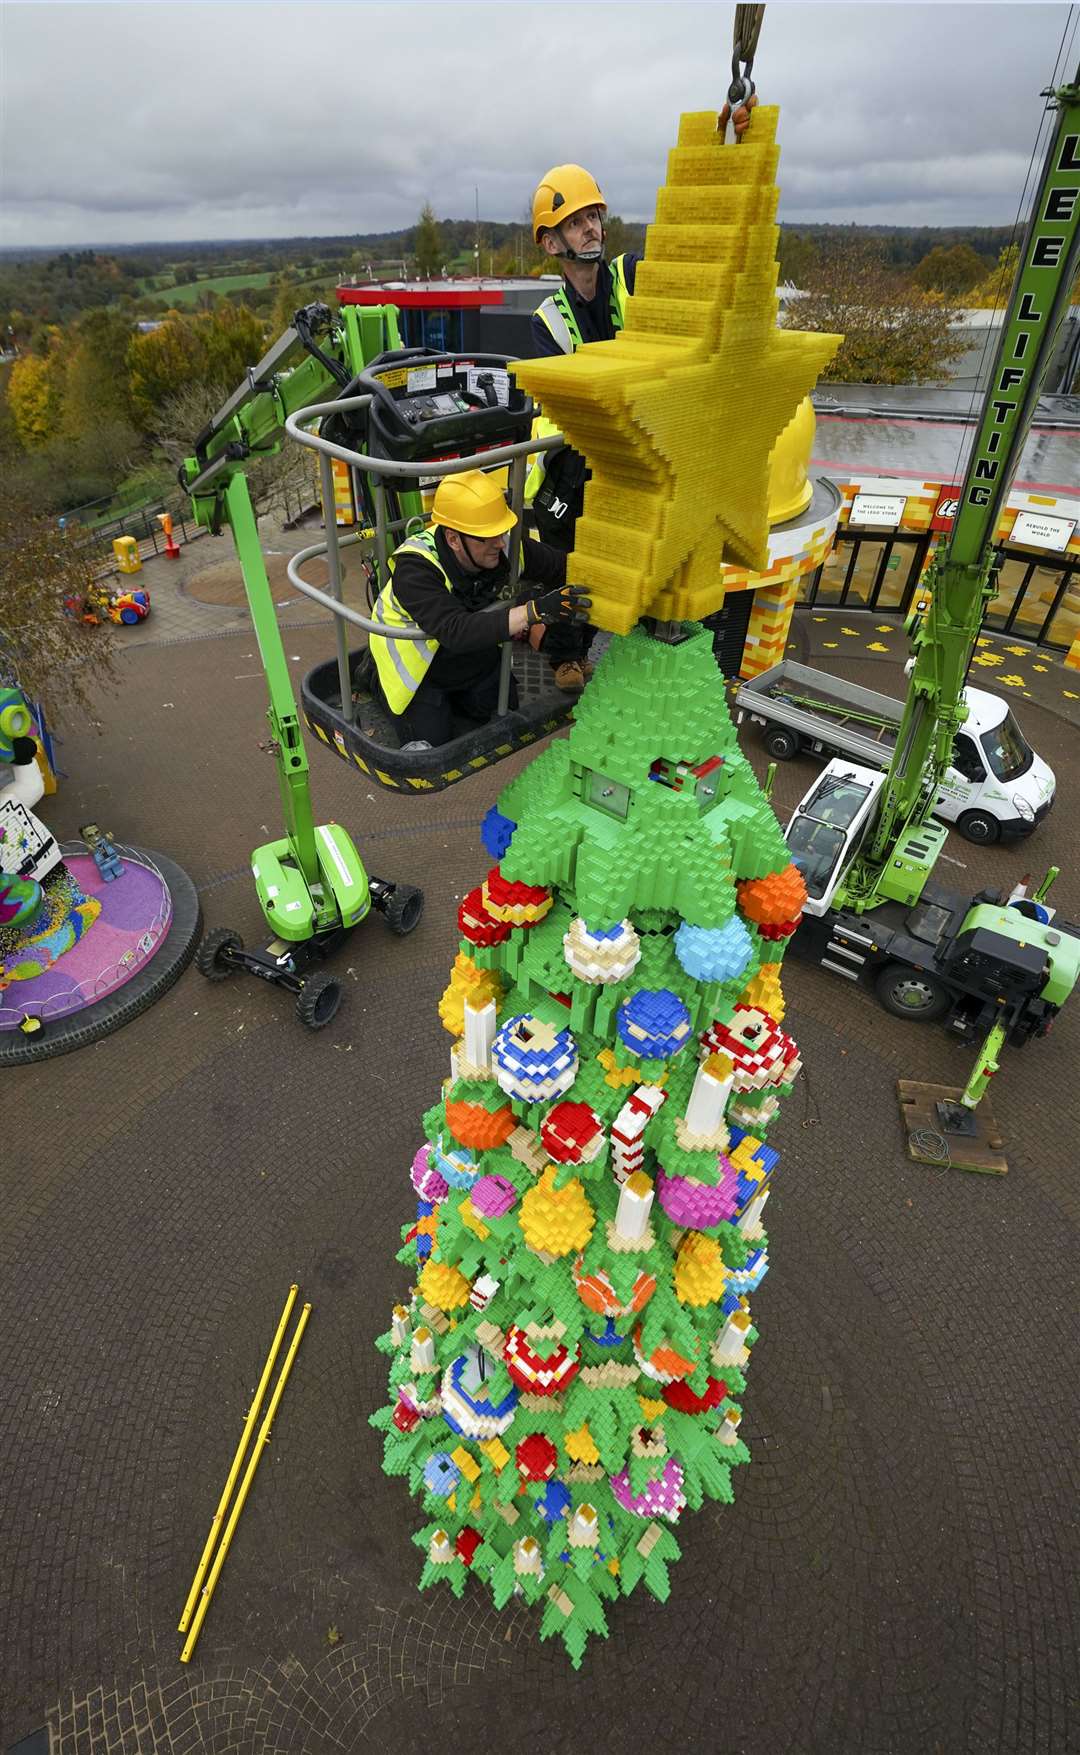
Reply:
x=570, y=676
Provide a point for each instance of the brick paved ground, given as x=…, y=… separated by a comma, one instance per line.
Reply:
x=898, y=1572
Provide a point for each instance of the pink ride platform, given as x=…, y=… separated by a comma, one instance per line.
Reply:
x=138, y=945
x=136, y=911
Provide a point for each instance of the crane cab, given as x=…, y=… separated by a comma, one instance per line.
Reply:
x=827, y=828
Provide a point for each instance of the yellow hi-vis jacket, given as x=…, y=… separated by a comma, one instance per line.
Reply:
x=557, y=315
x=403, y=664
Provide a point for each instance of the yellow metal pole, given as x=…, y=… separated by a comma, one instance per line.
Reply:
x=249, y=1426
x=245, y=1485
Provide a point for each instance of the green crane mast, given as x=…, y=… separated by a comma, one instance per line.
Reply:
x=962, y=576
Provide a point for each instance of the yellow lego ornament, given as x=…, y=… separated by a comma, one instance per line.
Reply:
x=556, y=1220
x=677, y=417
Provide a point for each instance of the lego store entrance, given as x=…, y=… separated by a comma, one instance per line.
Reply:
x=1038, y=595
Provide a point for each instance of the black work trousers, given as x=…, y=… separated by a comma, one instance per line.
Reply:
x=431, y=714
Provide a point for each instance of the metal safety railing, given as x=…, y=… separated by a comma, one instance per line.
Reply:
x=382, y=471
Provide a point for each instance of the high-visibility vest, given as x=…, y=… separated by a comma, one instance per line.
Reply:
x=557, y=313
x=403, y=664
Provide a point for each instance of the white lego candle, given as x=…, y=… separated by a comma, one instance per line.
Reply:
x=730, y=1346
x=728, y=1430
x=584, y=1527
x=399, y=1325
x=480, y=1027
x=527, y=1556
x=709, y=1097
x=440, y=1552
x=422, y=1355
x=635, y=1204
x=750, y=1224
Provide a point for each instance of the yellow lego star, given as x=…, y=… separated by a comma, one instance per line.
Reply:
x=677, y=417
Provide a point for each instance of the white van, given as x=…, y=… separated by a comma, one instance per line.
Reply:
x=996, y=784
x=996, y=787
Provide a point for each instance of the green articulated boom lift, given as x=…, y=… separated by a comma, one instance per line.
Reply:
x=867, y=842
x=311, y=883
x=394, y=415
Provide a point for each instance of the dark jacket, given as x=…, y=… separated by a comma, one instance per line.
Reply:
x=593, y=315
x=470, y=622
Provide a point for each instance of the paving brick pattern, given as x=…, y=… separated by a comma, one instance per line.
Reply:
x=898, y=1571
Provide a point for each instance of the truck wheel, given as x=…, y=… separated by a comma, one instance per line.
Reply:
x=979, y=826
x=403, y=909
x=318, y=1001
x=781, y=743
x=911, y=993
x=210, y=959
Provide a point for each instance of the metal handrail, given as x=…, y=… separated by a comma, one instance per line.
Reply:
x=380, y=468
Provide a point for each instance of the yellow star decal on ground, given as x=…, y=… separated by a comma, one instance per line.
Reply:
x=677, y=417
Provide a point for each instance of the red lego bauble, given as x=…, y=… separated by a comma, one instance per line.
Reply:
x=467, y=1543
x=536, y=1458
x=477, y=925
x=681, y=1397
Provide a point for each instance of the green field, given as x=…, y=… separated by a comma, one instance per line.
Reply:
x=222, y=283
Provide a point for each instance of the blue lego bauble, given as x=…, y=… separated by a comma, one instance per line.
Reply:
x=554, y=1502
x=497, y=832
x=455, y=1164
x=654, y=1024
x=714, y=953
x=465, y=1405
x=609, y=1338
x=533, y=1061
x=441, y=1474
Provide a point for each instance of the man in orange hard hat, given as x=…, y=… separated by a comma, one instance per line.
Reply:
x=447, y=579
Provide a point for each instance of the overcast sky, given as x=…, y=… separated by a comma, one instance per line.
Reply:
x=127, y=123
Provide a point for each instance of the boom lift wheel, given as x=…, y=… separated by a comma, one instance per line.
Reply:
x=403, y=909
x=781, y=743
x=211, y=958
x=318, y=1001
x=915, y=994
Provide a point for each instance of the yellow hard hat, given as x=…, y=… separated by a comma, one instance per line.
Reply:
x=790, y=489
x=473, y=504
x=566, y=189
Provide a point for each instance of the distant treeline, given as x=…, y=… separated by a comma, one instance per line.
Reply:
x=41, y=286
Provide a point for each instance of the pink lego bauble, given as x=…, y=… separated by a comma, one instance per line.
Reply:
x=427, y=1182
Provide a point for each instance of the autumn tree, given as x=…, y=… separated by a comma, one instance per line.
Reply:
x=949, y=271
x=97, y=390
x=994, y=288
x=893, y=332
x=46, y=653
x=799, y=257
x=162, y=363
x=233, y=339
x=427, y=245
x=36, y=390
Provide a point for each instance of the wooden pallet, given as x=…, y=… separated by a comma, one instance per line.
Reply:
x=929, y=1142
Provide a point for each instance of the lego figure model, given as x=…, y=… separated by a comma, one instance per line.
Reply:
x=106, y=858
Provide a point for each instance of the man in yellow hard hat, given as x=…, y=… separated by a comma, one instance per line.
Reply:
x=447, y=580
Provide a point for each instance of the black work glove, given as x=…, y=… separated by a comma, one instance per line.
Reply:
x=567, y=603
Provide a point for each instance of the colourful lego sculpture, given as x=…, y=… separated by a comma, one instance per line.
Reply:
x=568, y=1366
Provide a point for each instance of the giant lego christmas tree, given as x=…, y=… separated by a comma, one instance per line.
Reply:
x=566, y=1375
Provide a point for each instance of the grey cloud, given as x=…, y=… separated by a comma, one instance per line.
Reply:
x=130, y=122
